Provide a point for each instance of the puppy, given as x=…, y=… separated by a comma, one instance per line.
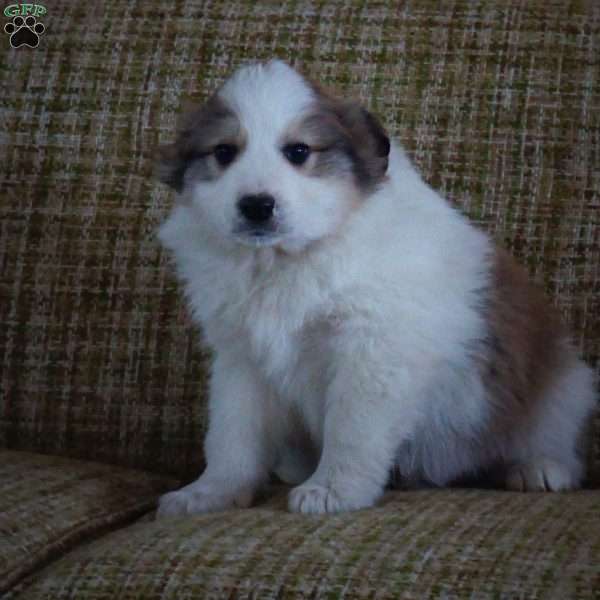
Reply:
x=360, y=325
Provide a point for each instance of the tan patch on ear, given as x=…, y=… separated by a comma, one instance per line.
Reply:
x=525, y=349
x=358, y=133
x=199, y=130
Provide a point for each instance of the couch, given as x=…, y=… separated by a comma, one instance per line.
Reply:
x=103, y=375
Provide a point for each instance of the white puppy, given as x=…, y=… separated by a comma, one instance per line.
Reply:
x=360, y=324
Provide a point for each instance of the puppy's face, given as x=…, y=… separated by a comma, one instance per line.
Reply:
x=272, y=161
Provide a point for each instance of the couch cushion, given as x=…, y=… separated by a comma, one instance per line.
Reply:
x=443, y=544
x=48, y=505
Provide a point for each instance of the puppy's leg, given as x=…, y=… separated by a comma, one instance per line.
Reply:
x=236, y=447
x=362, y=431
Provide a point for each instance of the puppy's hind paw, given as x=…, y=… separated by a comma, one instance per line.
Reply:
x=539, y=476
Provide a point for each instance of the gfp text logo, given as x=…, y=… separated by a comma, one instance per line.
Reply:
x=24, y=29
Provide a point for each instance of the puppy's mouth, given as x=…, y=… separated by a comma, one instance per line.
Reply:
x=257, y=237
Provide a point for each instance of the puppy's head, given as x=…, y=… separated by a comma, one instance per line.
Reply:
x=272, y=160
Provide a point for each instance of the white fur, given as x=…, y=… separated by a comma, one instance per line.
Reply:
x=342, y=344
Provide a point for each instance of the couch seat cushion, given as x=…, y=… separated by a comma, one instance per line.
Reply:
x=50, y=504
x=442, y=544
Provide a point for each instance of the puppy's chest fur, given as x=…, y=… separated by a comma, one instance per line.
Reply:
x=294, y=360
x=283, y=322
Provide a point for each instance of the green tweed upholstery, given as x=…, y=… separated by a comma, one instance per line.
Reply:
x=459, y=544
x=48, y=505
x=498, y=104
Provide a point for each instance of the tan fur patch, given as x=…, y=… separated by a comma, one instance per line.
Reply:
x=525, y=349
x=346, y=136
x=200, y=130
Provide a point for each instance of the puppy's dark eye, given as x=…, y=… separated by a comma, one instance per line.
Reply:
x=225, y=154
x=297, y=154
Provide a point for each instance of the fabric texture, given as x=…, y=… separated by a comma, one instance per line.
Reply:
x=498, y=104
x=428, y=544
x=48, y=505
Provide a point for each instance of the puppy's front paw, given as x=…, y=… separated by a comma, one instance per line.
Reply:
x=189, y=502
x=312, y=498
x=192, y=500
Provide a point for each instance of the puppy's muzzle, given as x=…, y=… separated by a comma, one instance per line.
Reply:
x=257, y=209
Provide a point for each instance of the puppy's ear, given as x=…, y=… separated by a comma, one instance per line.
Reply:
x=369, y=142
x=199, y=130
x=171, y=163
x=170, y=166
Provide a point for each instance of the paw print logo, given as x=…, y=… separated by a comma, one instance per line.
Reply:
x=24, y=32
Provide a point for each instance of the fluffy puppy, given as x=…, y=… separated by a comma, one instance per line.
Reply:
x=360, y=324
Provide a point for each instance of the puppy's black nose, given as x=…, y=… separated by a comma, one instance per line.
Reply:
x=257, y=208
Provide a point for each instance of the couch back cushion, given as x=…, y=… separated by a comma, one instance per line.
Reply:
x=497, y=104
